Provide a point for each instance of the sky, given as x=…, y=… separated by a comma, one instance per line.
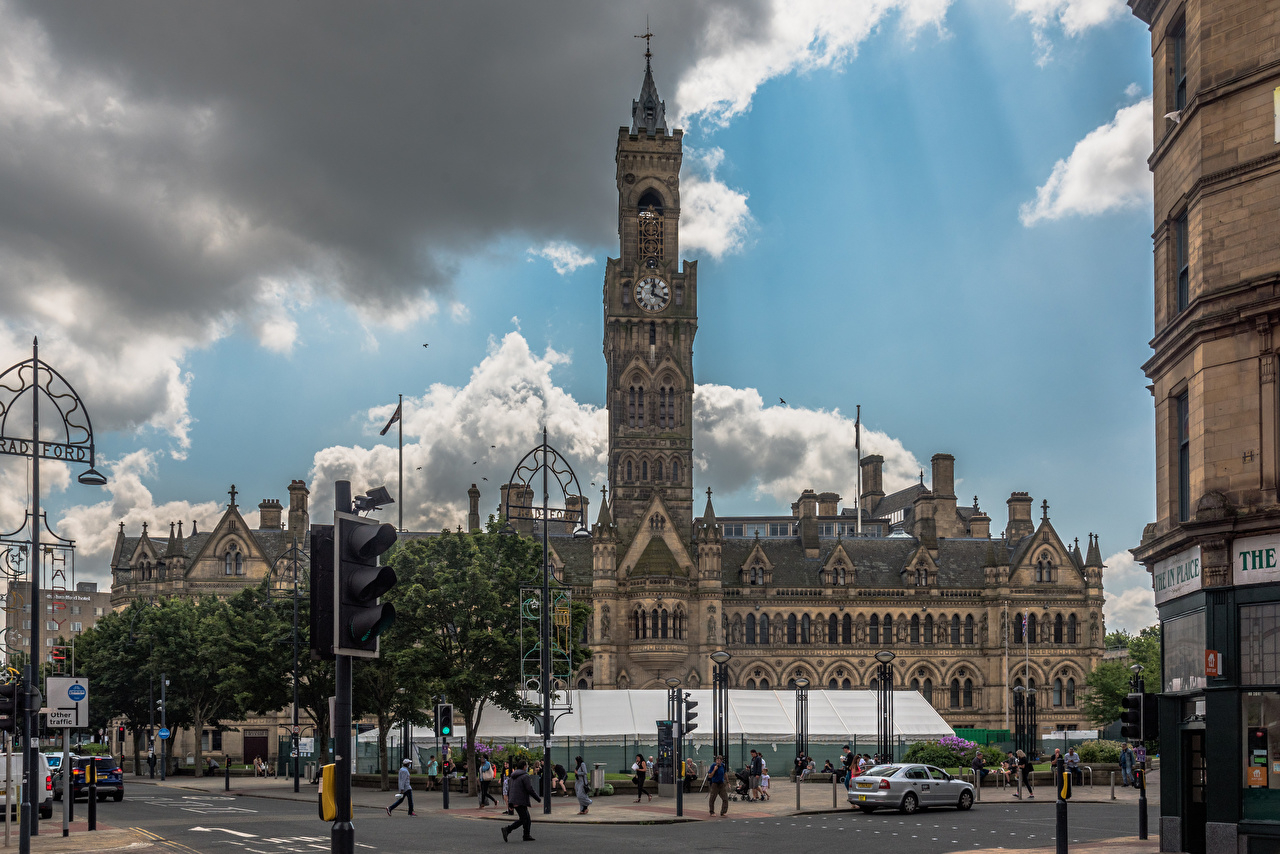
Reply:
x=234, y=228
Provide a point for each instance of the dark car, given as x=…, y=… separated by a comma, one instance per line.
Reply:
x=110, y=778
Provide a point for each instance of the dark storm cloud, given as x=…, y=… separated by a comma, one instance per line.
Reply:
x=356, y=147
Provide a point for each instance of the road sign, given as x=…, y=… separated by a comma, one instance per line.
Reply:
x=68, y=702
x=164, y=733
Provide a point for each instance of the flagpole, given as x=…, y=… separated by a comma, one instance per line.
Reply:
x=400, y=486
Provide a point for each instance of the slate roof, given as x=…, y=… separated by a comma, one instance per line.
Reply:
x=900, y=500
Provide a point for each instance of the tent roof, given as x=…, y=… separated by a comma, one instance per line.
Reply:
x=833, y=715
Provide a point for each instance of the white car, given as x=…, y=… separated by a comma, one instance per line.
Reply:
x=908, y=787
x=43, y=801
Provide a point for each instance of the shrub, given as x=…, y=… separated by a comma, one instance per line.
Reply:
x=1099, y=751
x=947, y=752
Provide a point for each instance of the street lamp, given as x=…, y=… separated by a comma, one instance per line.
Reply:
x=720, y=703
x=802, y=716
x=544, y=460
x=295, y=562
x=75, y=446
x=1138, y=686
x=1019, y=717
x=884, y=704
x=1031, y=722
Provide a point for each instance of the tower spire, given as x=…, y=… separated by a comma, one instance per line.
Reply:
x=649, y=113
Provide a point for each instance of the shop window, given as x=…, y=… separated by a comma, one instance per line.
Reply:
x=1260, y=737
x=1259, y=650
x=1183, y=416
x=1184, y=645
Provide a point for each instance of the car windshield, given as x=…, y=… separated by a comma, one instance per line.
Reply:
x=883, y=771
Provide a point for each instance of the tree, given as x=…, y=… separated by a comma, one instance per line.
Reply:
x=115, y=658
x=1109, y=682
x=459, y=598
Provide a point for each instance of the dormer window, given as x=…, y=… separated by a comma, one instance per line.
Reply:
x=1045, y=571
x=922, y=576
x=233, y=561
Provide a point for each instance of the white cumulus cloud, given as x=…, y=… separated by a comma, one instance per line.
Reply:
x=1073, y=16
x=1131, y=603
x=1106, y=171
x=713, y=215
x=564, y=256
x=795, y=35
x=456, y=436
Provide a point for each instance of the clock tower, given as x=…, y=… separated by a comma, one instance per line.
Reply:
x=651, y=317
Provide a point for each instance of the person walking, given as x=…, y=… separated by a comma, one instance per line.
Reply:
x=522, y=789
x=641, y=770
x=580, y=785
x=764, y=784
x=715, y=779
x=404, y=787
x=757, y=771
x=1024, y=768
x=506, y=786
x=487, y=776
x=1126, y=765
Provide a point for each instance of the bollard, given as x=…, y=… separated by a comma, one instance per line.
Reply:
x=797, y=791
x=1142, y=804
x=93, y=794
x=226, y=775
x=1113, y=785
x=1062, y=814
x=835, y=794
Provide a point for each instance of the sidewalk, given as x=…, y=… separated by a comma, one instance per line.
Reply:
x=620, y=809
x=1126, y=844
x=106, y=838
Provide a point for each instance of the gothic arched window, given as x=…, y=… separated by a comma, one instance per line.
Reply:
x=968, y=629
x=928, y=628
x=1017, y=628
x=639, y=406
x=636, y=622
x=927, y=691
x=1032, y=637
x=233, y=561
x=653, y=624
x=675, y=471
x=805, y=636
x=1071, y=629
x=791, y=629
x=833, y=630
x=968, y=693
x=764, y=629
x=846, y=685
x=874, y=638
x=922, y=576
x=955, y=693
x=846, y=630
x=751, y=685
x=1057, y=692
x=886, y=636
x=657, y=470
x=644, y=470
x=653, y=333
x=915, y=628
x=955, y=629
x=664, y=624
x=1057, y=628
x=631, y=408
x=629, y=476
x=1071, y=692
x=751, y=628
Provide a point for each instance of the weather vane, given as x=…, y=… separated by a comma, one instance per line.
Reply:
x=647, y=36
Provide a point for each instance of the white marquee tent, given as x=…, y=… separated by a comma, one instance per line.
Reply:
x=607, y=717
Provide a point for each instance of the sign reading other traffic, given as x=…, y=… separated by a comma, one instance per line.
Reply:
x=67, y=703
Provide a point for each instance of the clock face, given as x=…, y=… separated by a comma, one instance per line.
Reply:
x=652, y=294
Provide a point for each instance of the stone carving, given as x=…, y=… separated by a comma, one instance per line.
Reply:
x=711, y=629
x=604, y=624
x=1093, y=627
x=984, y=629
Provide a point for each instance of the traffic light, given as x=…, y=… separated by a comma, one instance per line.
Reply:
x=444, y=720
x=120, y=732
x=10, y=704
x=1150, y=717
x=358, y=582
x=686, y=718
x=321, y=592
x=1131, y=716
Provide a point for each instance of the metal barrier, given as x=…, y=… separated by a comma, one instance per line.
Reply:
x=1088, y=768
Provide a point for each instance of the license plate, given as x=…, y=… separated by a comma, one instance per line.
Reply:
x=862, y=797
x=864, y=785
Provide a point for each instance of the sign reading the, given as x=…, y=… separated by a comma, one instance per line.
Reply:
x=68, y=702
x=1255, y=560
x=1212, y=663
x=1176, y=576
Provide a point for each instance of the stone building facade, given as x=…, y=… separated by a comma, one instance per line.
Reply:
x=800, y=595
x=1212, y=548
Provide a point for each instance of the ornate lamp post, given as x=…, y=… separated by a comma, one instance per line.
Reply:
x=802, y=716
x=76, y=446
x=1019, y=718
x=1031, y=721
x=545, y=461
x=292, y=573
x=720, y=703
x=884, y=704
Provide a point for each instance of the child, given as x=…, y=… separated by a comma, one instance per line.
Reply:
x=764, y=784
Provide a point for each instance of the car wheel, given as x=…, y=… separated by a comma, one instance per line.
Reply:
x=119, y=796
x=867, y=809
x=910, y=803
x=966, y=800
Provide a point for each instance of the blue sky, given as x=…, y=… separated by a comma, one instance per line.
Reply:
x=872, y=237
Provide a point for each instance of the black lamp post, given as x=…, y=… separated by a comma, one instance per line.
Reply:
x=884, y=704
x=720, y=703
x=802, y=717
x=74, y=446
x=1031, y=722
x=1019, y=718
x=294, y=563
x=544, y=460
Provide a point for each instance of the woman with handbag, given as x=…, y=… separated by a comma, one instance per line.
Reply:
x=641, y=770
x=580, y=785
x=487, y=775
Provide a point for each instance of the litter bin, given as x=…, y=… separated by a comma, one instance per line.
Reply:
x=597, y=775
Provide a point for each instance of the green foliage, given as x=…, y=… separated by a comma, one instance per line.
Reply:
x=1107, y=685
x=1096, y=752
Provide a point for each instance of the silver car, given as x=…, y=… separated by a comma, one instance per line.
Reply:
x=907, y=787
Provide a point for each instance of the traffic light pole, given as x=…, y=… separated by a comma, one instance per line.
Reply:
x=545, y=634
x=28, y=825
x=1142, y=775
x=679, y=755
x=342, y=836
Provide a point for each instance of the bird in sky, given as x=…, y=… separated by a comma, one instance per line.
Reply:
x=484, y=478
x=419, y=468
x=493, y=446
x=473, y=462
x=781, y=401
x=426, y=345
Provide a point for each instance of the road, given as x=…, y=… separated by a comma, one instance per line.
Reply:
x=212, y=824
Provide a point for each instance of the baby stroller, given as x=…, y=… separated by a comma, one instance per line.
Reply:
x=743, y=789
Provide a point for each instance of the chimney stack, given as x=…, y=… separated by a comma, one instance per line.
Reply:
x=1020, y=524
x=473, y=512
x=828, y=504
x=269, y=512
x=872, y=481
x=299, y=517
